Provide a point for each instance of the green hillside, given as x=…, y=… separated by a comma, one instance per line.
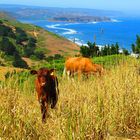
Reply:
x=20, y=41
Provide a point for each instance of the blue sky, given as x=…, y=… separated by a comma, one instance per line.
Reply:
x=120, y=5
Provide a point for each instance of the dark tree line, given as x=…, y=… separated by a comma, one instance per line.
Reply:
x=93, y=50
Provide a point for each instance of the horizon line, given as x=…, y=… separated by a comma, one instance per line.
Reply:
x=41, y=6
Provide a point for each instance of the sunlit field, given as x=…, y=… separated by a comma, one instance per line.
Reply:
x=98, y=108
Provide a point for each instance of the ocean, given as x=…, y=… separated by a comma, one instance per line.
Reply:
x=121, y=30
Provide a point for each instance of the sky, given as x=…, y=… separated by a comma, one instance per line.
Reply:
x=119, y=5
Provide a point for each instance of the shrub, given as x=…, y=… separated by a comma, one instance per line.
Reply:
x=7, y=46
x=18, y=62
x=39, y=53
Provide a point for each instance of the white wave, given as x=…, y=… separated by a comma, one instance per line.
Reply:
x=115, y=20
x=84, y=44
x=94, y=22
x=80, y=43
x=69, y=31
x=56, y=26
x=72, y=23
x=77, y=39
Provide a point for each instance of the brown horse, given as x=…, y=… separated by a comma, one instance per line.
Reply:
x=81, y=65
x=46, y=84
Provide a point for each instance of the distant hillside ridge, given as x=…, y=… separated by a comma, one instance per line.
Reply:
x=51, y=13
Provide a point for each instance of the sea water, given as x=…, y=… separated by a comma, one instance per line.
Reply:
x=122, y=31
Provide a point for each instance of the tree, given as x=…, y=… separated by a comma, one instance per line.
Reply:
x=133, y=48
x=39, y=54
x=85, y=51
x=58, y=56
x=117, y=48
x=1, y=22
x=94, y=49
x=105, y=50
x=6, y=31
x=28, y=51
x=113, y=49
x=20, y=36
x=125, y=51
x=18, y=62
x=7, y=46
x=109, y=50
x=136, y=47
x=31, y=42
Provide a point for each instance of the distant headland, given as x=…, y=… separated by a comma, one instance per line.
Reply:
x=59, y=14
x=79, y=19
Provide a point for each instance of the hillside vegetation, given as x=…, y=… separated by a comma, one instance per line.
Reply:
x=18, y=40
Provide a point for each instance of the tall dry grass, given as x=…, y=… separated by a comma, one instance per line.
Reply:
x=99, y=108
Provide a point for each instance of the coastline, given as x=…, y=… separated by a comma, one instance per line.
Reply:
x=122, y=31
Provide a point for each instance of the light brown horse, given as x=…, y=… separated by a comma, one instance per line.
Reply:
x=81, y=65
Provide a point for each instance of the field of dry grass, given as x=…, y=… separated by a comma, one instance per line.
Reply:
x=99, y=108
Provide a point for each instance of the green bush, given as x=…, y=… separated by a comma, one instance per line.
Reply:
x=7, y=46
x=18, y=62
x=39, y=53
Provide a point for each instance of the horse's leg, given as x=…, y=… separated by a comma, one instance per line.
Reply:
x=46, y=109
x=39, y=97
x=43, y=111
x=68, y=74
x=79, y=75
x=54, y=99
x=86, y=75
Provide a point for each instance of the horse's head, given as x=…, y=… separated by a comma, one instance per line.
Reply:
x=43, y=75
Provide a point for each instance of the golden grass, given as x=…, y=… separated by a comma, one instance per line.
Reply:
x=4, y=70
x=105, y=108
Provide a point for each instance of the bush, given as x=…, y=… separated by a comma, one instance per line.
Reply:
x=6, y=31
x=50, y=58
x=125, y=52
x=18, y=62
x=85, y=51
x=39, y=53
x=7, y=46
x=28, y=51
x=58, y=56
x=1, y=22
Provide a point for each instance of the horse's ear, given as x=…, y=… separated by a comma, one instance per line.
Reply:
x=52, y=71
x=33, y=72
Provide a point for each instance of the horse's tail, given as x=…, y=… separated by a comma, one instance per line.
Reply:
x=64, y=72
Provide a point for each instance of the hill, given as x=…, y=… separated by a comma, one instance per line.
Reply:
x=59, y=14
x=18, y=40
